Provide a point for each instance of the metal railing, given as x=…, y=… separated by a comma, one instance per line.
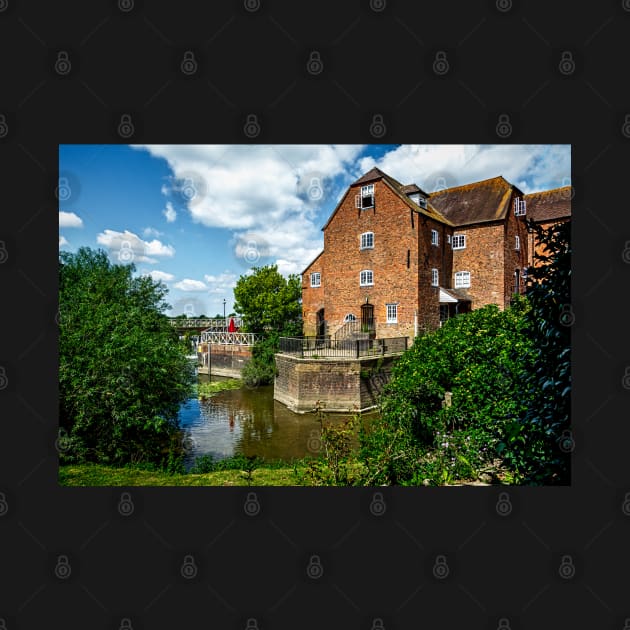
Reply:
x=209, y=322
x=230, y=338
x=355, y=329
x=315, y=347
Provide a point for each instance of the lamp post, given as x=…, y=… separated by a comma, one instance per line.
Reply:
x=224, y=326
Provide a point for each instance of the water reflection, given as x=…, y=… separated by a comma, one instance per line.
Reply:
x=249, y=422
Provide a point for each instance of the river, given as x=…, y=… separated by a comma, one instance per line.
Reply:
x=248, y=422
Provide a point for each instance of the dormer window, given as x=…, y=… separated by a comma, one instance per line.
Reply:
x=418, y=199
x=366, y=198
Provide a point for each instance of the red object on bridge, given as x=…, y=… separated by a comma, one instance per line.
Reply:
x=231, y=327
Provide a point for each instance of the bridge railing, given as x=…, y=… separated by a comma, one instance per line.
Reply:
x=206, y=322
x=228, y=338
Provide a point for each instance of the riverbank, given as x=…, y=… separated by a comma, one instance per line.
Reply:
x=99, y=475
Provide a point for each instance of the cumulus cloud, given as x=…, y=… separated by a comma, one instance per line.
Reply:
x=265, y=191
x=160, y=275
x=69, y=220
x=128, y=247
x=151, y=231
x=190, y=285
x=169, y=212
x=63, y=241
x=530, y=167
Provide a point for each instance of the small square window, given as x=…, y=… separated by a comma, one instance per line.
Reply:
x=366, y=278
x=316, y=279
x=462, y=279
x=367, y=240
x=392, y=313
x=435, y=278
x=434, y=237
x=366, y=199
x=459, y=241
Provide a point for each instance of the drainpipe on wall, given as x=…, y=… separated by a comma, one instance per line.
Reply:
x=415, y=324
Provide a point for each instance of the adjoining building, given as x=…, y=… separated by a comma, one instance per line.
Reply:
x=398, y=261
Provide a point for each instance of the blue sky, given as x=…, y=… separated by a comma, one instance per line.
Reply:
x=197, y=217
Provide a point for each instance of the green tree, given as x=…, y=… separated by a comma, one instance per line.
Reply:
x=539, y=443
x=269, y=302
x=123, y=372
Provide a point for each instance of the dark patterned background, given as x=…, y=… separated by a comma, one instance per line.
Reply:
x=377, y=71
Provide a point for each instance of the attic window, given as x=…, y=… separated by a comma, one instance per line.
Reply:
x=519, y=207
x=366, y=198
x=418, y=199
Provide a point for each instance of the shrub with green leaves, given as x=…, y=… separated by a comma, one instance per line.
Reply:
x=123, y=372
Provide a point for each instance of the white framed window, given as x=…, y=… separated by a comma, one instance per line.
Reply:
x=392, y=313
x=367, y=240
x=448, y=239
x=316, y=279
x=366, y=198
x=434, y=237
x=517, y=242
x=462, y=279
x=459, y=241
x=519, y=207
x=366, y=278
x=435, y=278
x=350, y=317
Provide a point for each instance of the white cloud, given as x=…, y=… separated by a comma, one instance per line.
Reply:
x=69, y=220
x=190, y=285
x=530, y=167
x=160, y=275
x=169, y=212
x=127, y=247
x=63, y=241
x=151, y=231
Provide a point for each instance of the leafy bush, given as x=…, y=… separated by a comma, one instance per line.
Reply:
x=122, y=371
x=261, y=369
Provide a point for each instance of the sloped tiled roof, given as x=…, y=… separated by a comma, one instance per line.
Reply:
x=479, y=202
x=549, y=205
x=461, y=295
x=373, y=174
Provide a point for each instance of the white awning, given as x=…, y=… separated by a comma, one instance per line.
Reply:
x=445, y=297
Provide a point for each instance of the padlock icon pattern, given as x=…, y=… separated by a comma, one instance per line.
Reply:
x=504, y=624
x=625, y=255
x=314, y=65
x=377, y=505
x=440, y=568
x=189, y=310
x=63, y=192
x=314, y=442
x=626, y=624
x=126, y=5
x=125, y=624
x=377, y=624
x=567, y=318
x=4, y=128
x=189, y=64
x=252, y=505
x=566, y=181
x=625, y=128
x=566, y=442
x=63, y=570
x=3, y=623
x=378, y=128
x=4, y=379
x=189, y=190
x=125, y=126
x=125, y=505
x=4, y=505
x=440, y=63
x=251, y=5
x=189, y=568
x=504, y=5
x=4, y=5
x=567, y=64
x=625, y=381
x=504, y=505
x=125, y=254
x=63, y=441
x=252, y=127
x=625, y=506
x=315, y=191
x=252, y=624
x=566, y=570
x=62, y=63
x=378, y=5
x=440, y=184
x=504, y=126
x=251, y=253
x=314, y=569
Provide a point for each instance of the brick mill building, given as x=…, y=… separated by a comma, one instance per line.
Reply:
x=398, y=261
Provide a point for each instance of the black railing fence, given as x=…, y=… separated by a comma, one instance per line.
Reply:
x=315, y=347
